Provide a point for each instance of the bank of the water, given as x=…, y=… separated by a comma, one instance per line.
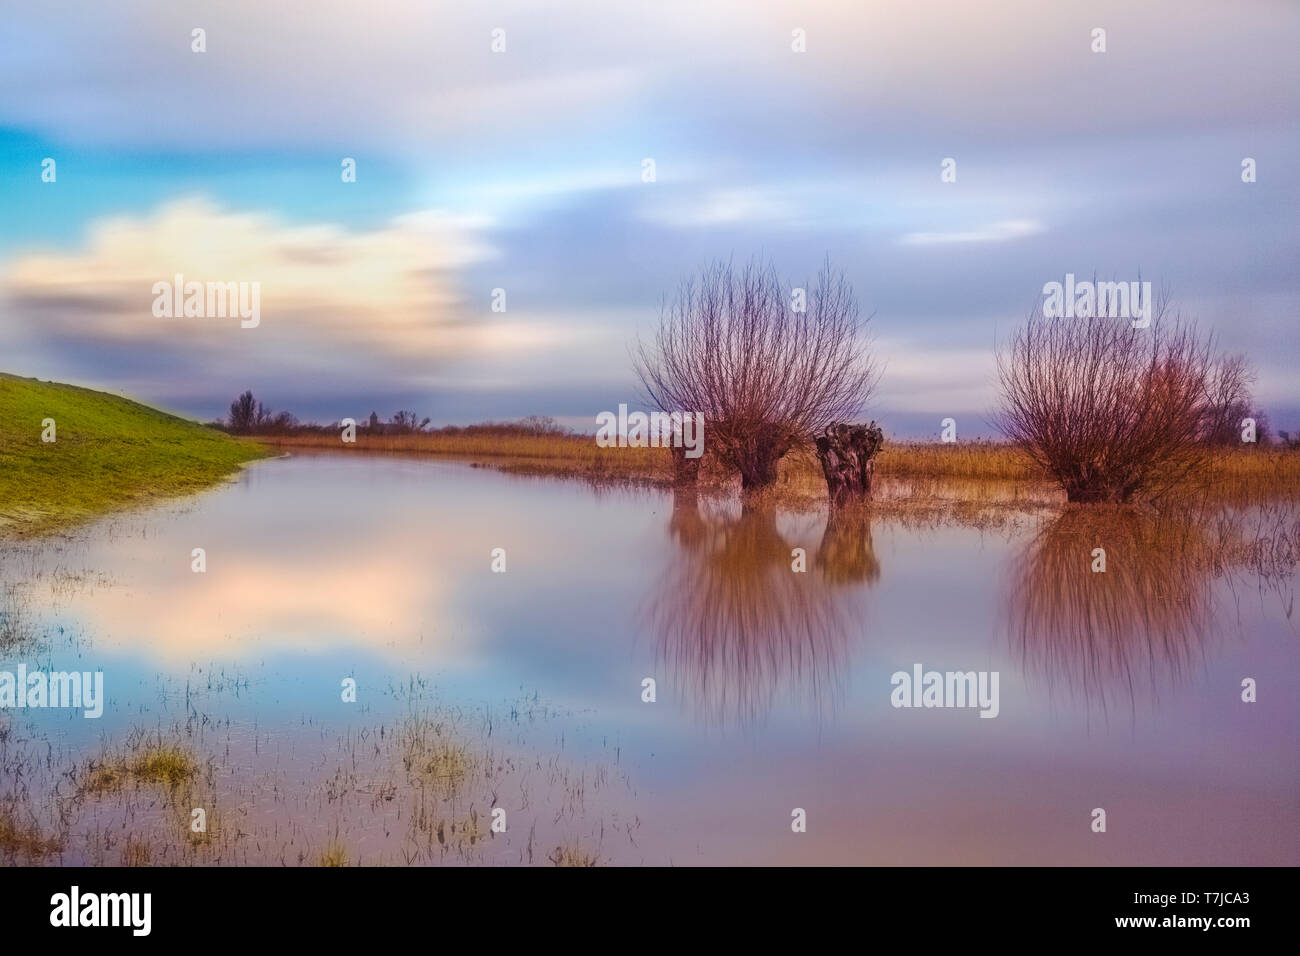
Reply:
x=69, y=454
x=978, y=469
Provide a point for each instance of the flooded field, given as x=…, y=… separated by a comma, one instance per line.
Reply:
x=509, y=686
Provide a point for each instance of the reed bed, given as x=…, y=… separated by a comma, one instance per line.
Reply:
x=1242, y=476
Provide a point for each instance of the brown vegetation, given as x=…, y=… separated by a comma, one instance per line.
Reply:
x=152, y=763
x=21, y=839
x=1241, y=474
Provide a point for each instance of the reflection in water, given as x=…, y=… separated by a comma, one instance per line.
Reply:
x=737, y=627
x=1118, y=633
x=846, y=555
x=531, y=673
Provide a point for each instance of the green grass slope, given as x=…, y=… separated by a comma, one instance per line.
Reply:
x=110, y=452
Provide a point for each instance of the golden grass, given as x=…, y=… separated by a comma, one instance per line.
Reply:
x=1240, y=475
x=573, y=856
x=574, y=456
x=333, y=855
x=388, y=791
x=156, y=764
x=137, y=852
x=432, y=755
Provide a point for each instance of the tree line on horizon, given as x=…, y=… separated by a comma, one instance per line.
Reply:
x=248, y=416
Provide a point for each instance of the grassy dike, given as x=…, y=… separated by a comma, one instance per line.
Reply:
x=109, y=453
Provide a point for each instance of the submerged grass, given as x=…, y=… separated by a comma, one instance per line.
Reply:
x=23, y=840
x=109, y=452
x=573, y=856
x=423, y=788
x=155, y=764
x=432, y=754
x=335, y=854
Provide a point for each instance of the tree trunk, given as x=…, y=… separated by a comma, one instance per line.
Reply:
x=686, y=471
x=758, y=472
x=847, y=454
x=759, y=459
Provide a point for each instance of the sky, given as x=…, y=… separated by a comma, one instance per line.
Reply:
x=522, y=170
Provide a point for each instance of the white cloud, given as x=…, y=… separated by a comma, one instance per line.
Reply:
x=718, y=208
x=412, y=74
x=942, y=380
x=329, y=295
x=996, y=232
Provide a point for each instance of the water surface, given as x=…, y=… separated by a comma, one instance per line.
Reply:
x=1119, y=691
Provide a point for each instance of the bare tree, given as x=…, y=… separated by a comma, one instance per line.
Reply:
x=1108, y=410
x=244, y=413
x=281, y=423
x=1230, y=402
x=541, y=426
x=248, y=416
x=765, y=376
x=405, y=422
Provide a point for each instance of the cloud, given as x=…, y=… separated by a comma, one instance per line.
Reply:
x=996, y=232
x=1132, y=157
x=330, y=297
x=938, y=379
x=523, y=102
x=412, y=76
x=235, y=611
x=719, y=208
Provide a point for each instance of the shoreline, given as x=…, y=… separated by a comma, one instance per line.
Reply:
x=1234, y=476
x=101, y=454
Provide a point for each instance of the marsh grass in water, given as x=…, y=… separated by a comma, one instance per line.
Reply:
x=22, y=840
x=16, y=632
x=431, y=754
x=573, y=856
x=334, y=854
x=136, y=852
x=158, y=764
x=419, y=790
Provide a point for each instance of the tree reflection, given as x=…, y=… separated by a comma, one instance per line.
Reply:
x=737, y=628
x=1114, y=636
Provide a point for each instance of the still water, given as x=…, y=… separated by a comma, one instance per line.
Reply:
x=773, y=688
